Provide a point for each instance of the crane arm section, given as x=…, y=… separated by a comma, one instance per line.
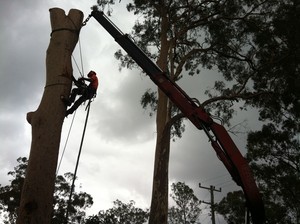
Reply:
x=221, y=141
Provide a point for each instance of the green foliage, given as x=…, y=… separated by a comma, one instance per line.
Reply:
x=255, y=46
x=80, y=201
x=187, y=209
x=275, y=159
x=182, y=45
x=232, y=207
x=121, y=213
x=10, y=197
x=235, y=38
x=104, y=4
x=149, y=99
x=273, y=151
x=261, y=53
x=280, y=52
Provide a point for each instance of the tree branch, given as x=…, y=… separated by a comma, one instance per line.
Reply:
x=186, y=57
x=235, y=97
x=172, y=121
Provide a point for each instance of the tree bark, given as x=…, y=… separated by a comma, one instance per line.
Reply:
x=37, y=194
x=159, y=201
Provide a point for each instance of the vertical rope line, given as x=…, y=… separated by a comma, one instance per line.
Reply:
x=65, y=146
x=78, y=28
x=83, y=134
x=77, y=66
x=77, y=163
x=81, y=58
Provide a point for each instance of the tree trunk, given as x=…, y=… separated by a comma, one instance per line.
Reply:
x=37, y=194
x=159, y=201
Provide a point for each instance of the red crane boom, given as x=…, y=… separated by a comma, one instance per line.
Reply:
x=221, y=141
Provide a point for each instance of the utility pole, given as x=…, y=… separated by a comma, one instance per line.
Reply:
x=211, y=203
x=36, y=204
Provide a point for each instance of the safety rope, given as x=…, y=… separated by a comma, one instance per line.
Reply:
x=77, y=66
x=77, y=162
x=81, y=71
x=66, y=142
x=81, y=61
x=79, y=42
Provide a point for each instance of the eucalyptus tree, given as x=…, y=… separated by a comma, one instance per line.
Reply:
x=232, y=207
x=120, y=213
x=185, y=36
x=10, y=196
x=273, y=151
x=187, y=208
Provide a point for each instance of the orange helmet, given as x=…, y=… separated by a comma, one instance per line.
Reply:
x=91, y=73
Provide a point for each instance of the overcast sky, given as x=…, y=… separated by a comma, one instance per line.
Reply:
x=118, y=153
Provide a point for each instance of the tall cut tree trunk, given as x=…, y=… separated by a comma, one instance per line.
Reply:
x=37, y=194
x=159, y=201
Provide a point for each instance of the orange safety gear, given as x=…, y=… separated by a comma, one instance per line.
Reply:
x=94, y=79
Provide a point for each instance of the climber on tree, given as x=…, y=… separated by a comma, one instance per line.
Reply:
x=85, y=92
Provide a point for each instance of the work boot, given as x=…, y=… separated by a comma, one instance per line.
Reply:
x=66, y=101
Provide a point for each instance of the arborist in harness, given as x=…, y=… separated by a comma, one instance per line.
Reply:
x=86, y=92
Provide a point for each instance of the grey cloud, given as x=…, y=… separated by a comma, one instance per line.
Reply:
x=118, y=154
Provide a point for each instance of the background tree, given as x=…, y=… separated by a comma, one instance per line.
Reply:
x=10, y=194
x=10, y=197
x=182, y=36
x=80, y=201
x=187, y=209
x=275, y=155
x=233, y=207
x=274, y=150
x=120, y=213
